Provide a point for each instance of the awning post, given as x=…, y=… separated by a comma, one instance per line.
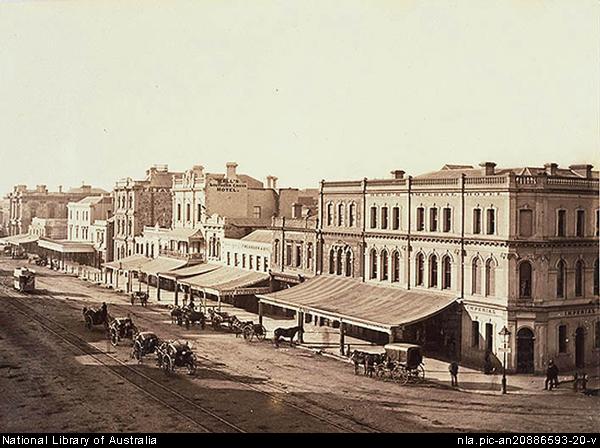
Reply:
x=342, y=337
x=176, y=293
x=139, y=279
x=158, y=288
x=117, y=281
x=260, y=312
x=300, y=318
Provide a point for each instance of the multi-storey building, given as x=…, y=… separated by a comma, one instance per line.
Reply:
x=140, y=203
x=24, y=204
x=53, y=228
x=84, y=213
x=482, y=249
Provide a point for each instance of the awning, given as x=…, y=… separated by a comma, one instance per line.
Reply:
x=66, y=247
x=183, y=235
x=15, y=240
x=359, y=303
x=131, y=263
x=162, y=264
x=226, y=280
x=189, y=271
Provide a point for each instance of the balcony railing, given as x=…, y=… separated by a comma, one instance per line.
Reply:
x=195, y=256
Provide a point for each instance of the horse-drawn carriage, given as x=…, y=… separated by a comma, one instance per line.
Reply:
x=139, y=296
x=144, y=343
x=121, y=328
x=222, y=320
x=92, y=316
x=173, y=354
x=251, y=330
x=399, y=361
x=369, y=358
x=24, y=279
x=188, y=315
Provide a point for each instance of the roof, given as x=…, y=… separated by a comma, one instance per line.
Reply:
x=92, y=199
x=259, y=236
x=88, y=190
x=19, y=239
x=182, y=234
x=226, y=279
x=248, y=222
x=162, y=264
x=361, y=303
x=66, y=246
x=131, y=263
x=189, y=271
x=455, y=171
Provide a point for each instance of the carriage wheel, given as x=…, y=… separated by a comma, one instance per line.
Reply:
x=420, y=373
x=380, y=371
x=192, y=366
x=114, y=338
x=247, y=334
x=262, y=335
x=400, y=375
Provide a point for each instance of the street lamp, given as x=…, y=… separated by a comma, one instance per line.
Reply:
x=505, y=335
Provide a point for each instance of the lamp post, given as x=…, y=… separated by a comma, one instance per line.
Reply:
x=505, y=335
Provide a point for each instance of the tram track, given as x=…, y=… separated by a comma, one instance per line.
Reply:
x=317, y=411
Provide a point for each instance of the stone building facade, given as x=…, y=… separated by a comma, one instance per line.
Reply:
x=84, y=213
x=52, y=228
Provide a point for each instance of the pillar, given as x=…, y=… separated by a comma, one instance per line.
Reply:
x=117, y=280
x=342, y=337
x=260, y=312
x=300, y=320
x=158, y=288
x=129, y=285
x=176, y=293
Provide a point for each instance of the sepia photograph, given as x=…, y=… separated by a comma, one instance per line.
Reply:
x=271, y=217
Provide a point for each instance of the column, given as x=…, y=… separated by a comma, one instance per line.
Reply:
x=300, y=319
x=176, y=293
x=260, y=312
x=342, y=337
x=117, y=279
x=158, y=288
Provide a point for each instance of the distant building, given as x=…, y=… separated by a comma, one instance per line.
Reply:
x=84, y=213
x=24, y=204
x=52, y=228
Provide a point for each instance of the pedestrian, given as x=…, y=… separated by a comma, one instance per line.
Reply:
x=551, y=376
x=487, y=363
x=453, y=369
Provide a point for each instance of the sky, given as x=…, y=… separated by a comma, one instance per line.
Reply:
x=94, y=91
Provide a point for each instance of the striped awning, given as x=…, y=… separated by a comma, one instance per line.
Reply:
x=19, y=239
x=360, y=303
x=189, y=271
x=226, y=280
x=162, y=264
x=131, y=263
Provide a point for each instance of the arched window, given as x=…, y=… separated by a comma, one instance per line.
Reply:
x=395, y=266
x=384, y=265
x=420, y=271
x=447, y=273
x=339, y=261
x=218, y=246
x=348, y=263
x=276, y=251
x=596, y=277
x=579, y=278
x=525, y=280
x=490, y=277
x=560, y=278
x=331, y=261
x=433, y=271
x=351, y=215
x=373, y=264
x=329, y=214
x=340, y=214
x=476, y=276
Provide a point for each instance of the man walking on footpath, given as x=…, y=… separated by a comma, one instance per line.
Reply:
x=551, y=376
x=453, y=369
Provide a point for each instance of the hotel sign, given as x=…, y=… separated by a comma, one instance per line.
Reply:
x=227, y=185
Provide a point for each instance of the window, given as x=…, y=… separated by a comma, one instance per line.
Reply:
x=562, y=339
x=446, y=273
x=352, y=215
x=433, y=219
x=256, y=211
x=476, y=276
x=475, y=334
x=331, y=261
x=266, y=266
x=420, y=270
x=580, y=227
x=384, y=265
x=491, y=221
x=340, y=214
x=178, y=212
x=420, y=218
x=339, y=261
x=447, y=219
x=396, y=218
x=525, y=279
x=373, y=217
x=199, y=212
x=490, y=277
x=384, y=217
x=579, y=278
x=433, y=271
x=329, y=214
x=298, y=255
x=188, y=214
x=560, y=279
x=348, y=266
x=597, y=232
x=288, y=254
x=228, y=258
x=596, y=277
x=276, y=251
x=489, y=337
x=236, y=259
x=561, y=223
x=373, y=264
x=525, y=223
x=597, y=335
x=250, y=262
x=477, y=221
x=258, y=262
x=395, y=266
x=309, y=255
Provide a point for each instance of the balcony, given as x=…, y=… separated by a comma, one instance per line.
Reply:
x=196, y=256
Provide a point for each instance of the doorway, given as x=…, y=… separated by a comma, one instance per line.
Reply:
x=579, y=348
x=525, y=347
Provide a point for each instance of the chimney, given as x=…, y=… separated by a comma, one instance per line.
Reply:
x=398, y=174
x=198, y=170
x=271, y=182
x=582, y=170
x=296, y=210
x=231, y=167
x=550, y=168
x=60, y=189
x=41, y=189
x=488, y=168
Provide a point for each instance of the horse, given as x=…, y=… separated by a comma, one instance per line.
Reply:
x=286, y=333
x=177, y=315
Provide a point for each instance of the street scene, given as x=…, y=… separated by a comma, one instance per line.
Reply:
x=299, y=219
